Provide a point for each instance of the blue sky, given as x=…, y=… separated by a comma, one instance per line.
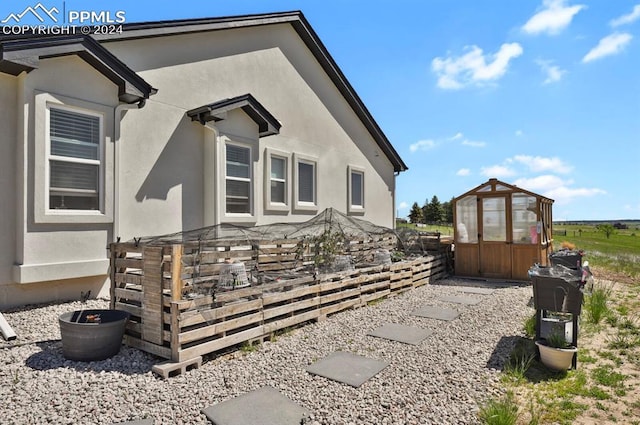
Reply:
x=543, y=94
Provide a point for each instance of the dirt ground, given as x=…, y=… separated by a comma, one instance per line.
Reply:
x=614, y=404
x=623, y=408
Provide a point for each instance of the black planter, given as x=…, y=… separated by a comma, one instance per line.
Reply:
x=89, y=335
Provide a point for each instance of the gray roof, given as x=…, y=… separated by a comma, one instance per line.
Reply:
x=23, y=54
x=217, y=111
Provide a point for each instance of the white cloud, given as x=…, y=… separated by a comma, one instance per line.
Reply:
x=463, y=172
x=563, y=195
x=474, y=144
x=553, y=18
x=557, y=189
x=541, y=184
x=609, y=45
x=634, y=15
x=403, y=205
x=474, y=67
x=457, y=136
x=539, y=164
x=497, y=171
x=552, y=72
x=519, y=133
x=422, y=145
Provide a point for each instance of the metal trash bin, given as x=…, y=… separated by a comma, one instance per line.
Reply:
x=566, y=257
x=559, y=293
x=557, y=289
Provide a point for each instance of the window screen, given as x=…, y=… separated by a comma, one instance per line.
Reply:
x=357, y=186
x=278, y=180
x=238, y=179
x=306, y=182
x=74, y=160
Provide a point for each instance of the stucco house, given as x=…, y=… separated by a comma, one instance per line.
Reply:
x=171, y=126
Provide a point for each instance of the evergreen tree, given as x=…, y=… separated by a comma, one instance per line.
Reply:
x=415, y=215
x=433, y=211
x=447, y=210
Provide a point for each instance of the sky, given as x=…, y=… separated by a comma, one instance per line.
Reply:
x=542, y=94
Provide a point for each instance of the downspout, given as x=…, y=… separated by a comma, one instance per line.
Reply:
x=211, y=213
x=117, y=116
x=394, y=206
x=6, y=330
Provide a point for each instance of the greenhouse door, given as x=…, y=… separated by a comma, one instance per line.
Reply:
x=494, y=240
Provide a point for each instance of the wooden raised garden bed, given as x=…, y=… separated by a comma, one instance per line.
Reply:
x=178, y=312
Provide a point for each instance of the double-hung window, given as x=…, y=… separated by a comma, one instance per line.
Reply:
x=356, y=189
x=276, y=183
x=74, y=160
x=238, y=179
x=278, y=180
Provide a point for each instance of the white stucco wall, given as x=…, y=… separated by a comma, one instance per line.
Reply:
x=8, y=123
x=62, y=259
x=164, y=179
x=275, y=66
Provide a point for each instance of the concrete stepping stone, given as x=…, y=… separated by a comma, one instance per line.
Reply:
x=401, y=333
x=265, y=406
x=433, y=312
x=460, y=299
x=347, y=368
x=479, y=291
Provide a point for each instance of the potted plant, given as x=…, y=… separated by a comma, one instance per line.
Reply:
x=555, y=352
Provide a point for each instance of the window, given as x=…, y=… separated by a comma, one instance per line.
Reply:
x=278, y=180
x=467, y=220
x=238, y=179
x=74, y=160
x=276, y=187
x=356, y=190
x=73, y=175
x=524, y=219
x=305, y=182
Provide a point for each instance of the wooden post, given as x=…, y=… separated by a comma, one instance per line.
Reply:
x=175, y=330
x=112, y=276
x=152, y=319
x=176, y=272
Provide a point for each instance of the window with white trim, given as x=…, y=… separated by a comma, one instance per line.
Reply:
x=306, y=182
x=74, y=160
x=238, y=182
x=356, y=189
x=276, y=182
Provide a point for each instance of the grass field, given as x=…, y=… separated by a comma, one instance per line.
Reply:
x=620, y=252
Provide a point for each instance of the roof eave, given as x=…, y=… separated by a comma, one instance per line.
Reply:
x=268, y=125
x=24, y=55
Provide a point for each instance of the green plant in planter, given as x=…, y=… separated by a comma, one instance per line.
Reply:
x=556, y=353
x=557, y=340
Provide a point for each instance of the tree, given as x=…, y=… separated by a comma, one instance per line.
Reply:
x=447, y=211
x=415, y=215
x=606, y=228
x=433, y=211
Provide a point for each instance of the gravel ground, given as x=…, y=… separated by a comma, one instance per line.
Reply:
x=439, y=381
